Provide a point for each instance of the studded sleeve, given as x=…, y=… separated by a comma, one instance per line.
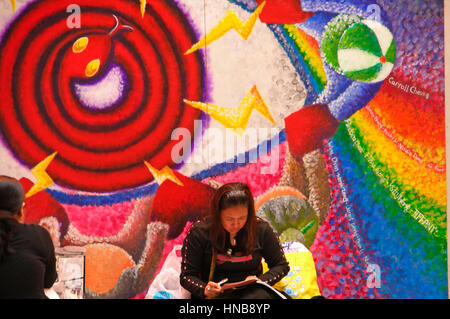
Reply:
x=191, y=263
x=274, y=256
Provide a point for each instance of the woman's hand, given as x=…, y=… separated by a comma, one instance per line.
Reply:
x=212, y=289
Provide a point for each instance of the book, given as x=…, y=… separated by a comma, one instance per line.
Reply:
x=271, y=288
x=238, y=284
x=247, y=282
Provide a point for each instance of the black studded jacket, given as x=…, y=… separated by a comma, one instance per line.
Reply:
x=231, y=263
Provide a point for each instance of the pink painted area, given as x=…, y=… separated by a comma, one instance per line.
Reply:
x=99, y=220
x=251, y=174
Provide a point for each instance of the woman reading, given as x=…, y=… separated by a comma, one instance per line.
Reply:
x=228, y=246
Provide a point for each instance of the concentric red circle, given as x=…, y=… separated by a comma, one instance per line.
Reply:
x=98, y=150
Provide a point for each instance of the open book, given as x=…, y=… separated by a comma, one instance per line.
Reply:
x=247, y=282
x=238, y=284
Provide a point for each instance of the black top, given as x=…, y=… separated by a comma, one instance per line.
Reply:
x=32, y=267
x=197, y=254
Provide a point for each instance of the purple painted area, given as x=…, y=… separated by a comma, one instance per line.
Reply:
x=105, y=92
x=418, y=29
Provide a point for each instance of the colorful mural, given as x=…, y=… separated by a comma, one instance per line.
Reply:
x=121, y=117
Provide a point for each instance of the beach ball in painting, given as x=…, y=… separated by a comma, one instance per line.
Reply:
x=360, y=49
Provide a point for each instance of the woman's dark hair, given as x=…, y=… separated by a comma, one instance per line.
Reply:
x=227, y=196
x=12, y=197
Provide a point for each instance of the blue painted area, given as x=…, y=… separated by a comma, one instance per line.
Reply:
x=354, y=98
x=315, y=25
x=363, y=8
x=162, y=295
x=101, y=200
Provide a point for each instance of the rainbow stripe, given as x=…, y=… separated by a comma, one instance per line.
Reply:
x=308, y=48
x=393, y=235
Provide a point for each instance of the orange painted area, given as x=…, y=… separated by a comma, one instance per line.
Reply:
x=104, y=264
x=278, y=191
x=404, y=113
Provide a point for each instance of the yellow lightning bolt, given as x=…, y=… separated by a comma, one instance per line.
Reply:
x=43, y=180
x=236, y=119
x=228, y=22
x=13, y=5
x=143, y=3
x=162, y=175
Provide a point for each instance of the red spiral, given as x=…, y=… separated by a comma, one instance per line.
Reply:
x=98, y=149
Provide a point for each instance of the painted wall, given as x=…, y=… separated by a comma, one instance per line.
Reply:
x=122, y=116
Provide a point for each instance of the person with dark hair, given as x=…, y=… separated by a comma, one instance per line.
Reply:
x=229, y=245
x=27, y=254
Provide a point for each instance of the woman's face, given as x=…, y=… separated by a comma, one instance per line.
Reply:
x=234, y=218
